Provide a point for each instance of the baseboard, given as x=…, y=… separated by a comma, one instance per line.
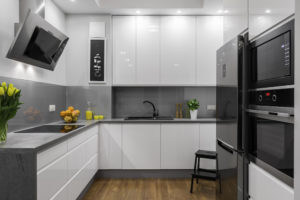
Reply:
x=123, y=174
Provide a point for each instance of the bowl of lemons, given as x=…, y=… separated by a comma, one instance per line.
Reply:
x=70, y=115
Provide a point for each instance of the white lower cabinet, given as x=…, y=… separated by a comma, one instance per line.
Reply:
x=51, y=178
x=179, y=142
x=67, y=176
x=78, y=183
x=141, y=146
x=110, y=146
x=264, y=186
x=208, y=143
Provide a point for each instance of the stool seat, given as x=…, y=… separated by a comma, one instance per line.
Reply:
x=206, y=154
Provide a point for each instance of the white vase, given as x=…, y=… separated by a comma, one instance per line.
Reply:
x=193, y=114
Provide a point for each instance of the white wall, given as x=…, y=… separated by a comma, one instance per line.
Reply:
x=297, y=104
x=78, y=47
x=9, y=14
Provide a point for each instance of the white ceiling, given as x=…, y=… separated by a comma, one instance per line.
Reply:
x=146, y=7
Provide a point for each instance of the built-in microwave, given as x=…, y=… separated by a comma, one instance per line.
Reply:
x=272, y=58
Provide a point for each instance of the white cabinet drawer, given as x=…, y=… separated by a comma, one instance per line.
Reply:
x=62, y=194
x=76, y=160
x=50, y=155
x=91, y=147
x=79, y=182
x=264, y=186
x=82, y=137
x=52, y=178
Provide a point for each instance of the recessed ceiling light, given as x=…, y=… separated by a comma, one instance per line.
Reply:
x=179, y=11
x=268, y=11
x=226, y=11
x=138, y=12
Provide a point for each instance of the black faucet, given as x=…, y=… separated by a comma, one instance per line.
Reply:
x=155, y=111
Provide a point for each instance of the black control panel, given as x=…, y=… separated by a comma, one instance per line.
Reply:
x=280, y=98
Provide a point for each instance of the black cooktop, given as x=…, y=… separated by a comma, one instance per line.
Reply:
x=51, y=129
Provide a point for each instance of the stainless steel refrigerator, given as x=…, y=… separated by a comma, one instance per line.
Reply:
x=231, y=84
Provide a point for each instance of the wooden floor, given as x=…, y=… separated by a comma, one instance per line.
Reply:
x=150, y=189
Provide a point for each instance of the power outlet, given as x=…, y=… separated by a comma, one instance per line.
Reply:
x=211, y=107
x=52, y=108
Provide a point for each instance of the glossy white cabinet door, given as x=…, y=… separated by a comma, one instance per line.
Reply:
x=124, y=49
x=52, y=178
x=110, y=146
x=209, y=40
x=76, y=160
x=264, y=186
x=236, y=20
x=179, y=142
x=148, y=50
x=263, y=14
x=141, y=146
x=91, y=147
x=77, y=184
x=208, y=142
x=178, y=50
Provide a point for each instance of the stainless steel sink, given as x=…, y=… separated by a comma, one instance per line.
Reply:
x=149, y=118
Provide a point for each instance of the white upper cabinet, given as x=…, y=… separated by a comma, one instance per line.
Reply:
x=148, y=50
x=209, y=39
x=263, y=14
x=236, y=18
x=124, y=55
x=166, y=50
x=178, y=50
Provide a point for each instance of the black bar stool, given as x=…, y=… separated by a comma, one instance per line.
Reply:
x=208, y=174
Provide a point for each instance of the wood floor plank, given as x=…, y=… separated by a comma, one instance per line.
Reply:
x=150, y=189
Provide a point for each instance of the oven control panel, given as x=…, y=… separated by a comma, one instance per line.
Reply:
x=280, y=98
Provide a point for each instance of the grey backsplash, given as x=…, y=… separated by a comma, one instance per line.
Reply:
x=36, y=98
x=128, y=101
x=117, y=102
x=99, y=97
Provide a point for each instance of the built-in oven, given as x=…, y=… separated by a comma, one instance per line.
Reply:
x=272, y=58
x=271, y=131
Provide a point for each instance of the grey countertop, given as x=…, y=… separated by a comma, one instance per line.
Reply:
x=35, y=142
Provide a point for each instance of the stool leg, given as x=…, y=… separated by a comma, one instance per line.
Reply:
x=195, y=164
x=198, y=167
x=218, y=174
x=192, y=184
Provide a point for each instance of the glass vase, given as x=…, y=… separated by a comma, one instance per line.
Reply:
x=3, y=132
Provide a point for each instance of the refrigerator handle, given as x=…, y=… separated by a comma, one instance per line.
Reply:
x=225, y=147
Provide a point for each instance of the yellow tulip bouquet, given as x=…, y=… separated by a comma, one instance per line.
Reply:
x=9, y=105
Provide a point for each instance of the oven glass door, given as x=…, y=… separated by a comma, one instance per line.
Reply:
x=273, y=143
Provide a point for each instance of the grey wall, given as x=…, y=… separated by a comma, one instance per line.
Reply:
x=128, y=101
x=99, y=96
x=36, y=98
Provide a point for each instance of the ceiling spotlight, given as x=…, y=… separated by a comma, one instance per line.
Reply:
x=179, y=11
x=268, y=11
x=138, y=12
